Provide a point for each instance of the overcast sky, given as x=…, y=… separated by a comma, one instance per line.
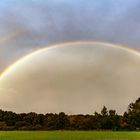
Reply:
x=74, y=78
x=26, y=25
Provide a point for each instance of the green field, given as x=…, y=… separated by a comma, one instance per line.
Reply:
x=68, y=135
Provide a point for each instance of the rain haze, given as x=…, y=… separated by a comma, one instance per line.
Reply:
x=73, y=78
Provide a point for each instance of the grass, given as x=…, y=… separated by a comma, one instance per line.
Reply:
x=68, y=135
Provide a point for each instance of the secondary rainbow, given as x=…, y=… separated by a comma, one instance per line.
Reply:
x=26, y=57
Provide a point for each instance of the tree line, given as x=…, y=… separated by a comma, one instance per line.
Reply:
x=105, y=120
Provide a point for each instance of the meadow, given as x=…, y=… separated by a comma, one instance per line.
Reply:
x=68, y=135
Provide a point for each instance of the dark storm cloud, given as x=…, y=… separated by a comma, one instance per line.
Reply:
x=52, y=21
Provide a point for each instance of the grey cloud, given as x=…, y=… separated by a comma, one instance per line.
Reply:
x=50, y=22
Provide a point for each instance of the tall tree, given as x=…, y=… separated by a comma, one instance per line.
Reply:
x=134, y=115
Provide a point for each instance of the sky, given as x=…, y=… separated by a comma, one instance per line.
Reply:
x=29, y=25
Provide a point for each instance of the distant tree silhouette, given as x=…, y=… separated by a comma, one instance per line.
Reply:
x=62, y=121
x=105, y=120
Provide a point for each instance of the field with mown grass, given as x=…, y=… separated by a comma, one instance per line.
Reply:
x=68, y=135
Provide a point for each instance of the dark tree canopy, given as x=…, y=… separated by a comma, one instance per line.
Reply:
x=106, y=120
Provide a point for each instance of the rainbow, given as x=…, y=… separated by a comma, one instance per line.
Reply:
x=26, y=57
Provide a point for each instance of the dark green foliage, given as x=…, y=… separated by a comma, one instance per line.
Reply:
x=106, y=120
x=133, y=115
x=62, y=121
